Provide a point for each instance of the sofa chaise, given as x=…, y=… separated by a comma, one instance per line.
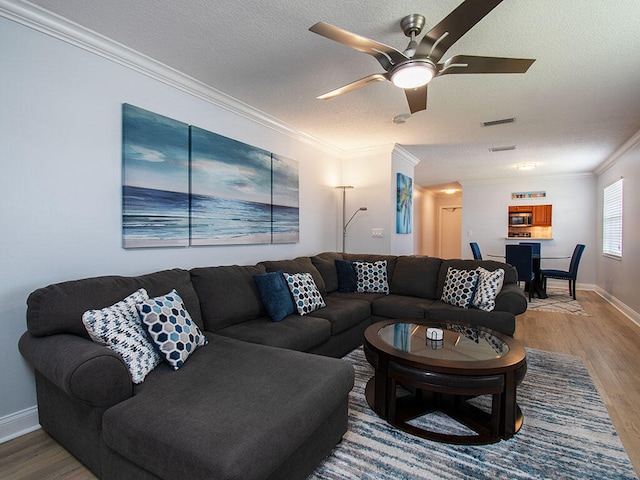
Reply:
x=262, y=399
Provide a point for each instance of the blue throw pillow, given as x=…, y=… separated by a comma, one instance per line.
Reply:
x=275, y=295
x=347, y=278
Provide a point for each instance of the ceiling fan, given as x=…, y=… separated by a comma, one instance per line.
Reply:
x=418, y=64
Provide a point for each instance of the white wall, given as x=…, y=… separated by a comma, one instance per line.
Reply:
x=369, y=173
x=574, y=199
x=60, y=148
x=426, y=222
x=619, y=278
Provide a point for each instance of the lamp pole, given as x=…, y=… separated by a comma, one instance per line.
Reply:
x=344, y=211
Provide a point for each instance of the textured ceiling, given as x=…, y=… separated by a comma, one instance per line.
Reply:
x=575, y=106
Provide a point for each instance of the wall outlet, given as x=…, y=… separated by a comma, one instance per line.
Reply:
x=376, y=232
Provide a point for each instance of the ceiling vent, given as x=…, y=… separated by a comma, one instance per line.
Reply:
x=502, y=149
x=493, y=123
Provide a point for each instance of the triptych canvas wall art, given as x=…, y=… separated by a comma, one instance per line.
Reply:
x=183, y=185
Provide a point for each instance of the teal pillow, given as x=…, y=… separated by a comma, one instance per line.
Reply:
x=275, y=295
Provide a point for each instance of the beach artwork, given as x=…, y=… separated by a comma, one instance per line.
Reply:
x=155, y=184
x=285, y=200
x=404, y=204
x=183, y=185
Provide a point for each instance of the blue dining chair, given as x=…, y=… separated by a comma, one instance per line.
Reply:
x=521, y=257
x=571, y=274
x=535, y=247
x=476, y=251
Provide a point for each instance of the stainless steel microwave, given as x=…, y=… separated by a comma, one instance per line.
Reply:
x=520, y=219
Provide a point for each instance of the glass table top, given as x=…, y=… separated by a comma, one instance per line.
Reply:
x=460, y=343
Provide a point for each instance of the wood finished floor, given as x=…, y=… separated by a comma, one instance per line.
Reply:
x=607, y=341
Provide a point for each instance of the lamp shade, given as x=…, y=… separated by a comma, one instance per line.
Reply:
x=413, y=74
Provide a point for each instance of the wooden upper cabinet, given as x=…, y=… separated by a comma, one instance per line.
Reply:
x=520, y=208
x=541, y=216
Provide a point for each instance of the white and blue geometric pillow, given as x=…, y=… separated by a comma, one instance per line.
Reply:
x=372, y=277
x=118, y=327
x=459, y=287
x=306, y=295
x=171, y=328
x=489, y=285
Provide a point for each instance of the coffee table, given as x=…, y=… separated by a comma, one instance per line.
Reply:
x=443, y=375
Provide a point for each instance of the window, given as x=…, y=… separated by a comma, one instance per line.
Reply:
x=612, y=220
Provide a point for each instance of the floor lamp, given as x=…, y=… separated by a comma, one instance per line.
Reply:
x=344, y=213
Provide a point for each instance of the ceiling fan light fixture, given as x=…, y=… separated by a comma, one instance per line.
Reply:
x=413, y=74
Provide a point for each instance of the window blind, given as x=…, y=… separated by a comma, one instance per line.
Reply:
x=612, y=220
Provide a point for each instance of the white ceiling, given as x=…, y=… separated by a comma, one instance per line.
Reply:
x=576, y=105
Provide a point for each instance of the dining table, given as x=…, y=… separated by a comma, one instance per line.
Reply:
x=537, y=285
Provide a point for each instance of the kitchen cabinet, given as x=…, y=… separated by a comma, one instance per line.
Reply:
x=520, y=208
x=541, y=215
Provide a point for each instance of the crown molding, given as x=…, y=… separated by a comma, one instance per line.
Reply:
x=528, y=179
x=615, y=156
x=402, y=154
x=41, y=20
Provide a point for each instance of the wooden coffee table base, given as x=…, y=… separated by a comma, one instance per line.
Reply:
x=485, y=425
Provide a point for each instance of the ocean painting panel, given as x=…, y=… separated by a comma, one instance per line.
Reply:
x=404, y=204
x=230, y=191
x=155, y=180
x=285, y=200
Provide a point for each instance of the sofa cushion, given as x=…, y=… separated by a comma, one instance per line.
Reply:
x=347, y=277
x=343, y=313
x=416, y=276
x=400, y=306
x=459, y=287
x=306, y=296
x=235, y=410
x=489, y=285
x=372, y=277
x=275, y=294
x=228, y=294
x=325, y=263
x=119, y=328
x=170, y=327
x=297, y=265
x=59, y=308
x=295, y=332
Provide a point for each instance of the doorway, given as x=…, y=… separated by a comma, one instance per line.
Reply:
x=450, y=231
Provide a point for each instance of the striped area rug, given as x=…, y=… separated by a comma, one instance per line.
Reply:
x=566, y=434
x=558, y=300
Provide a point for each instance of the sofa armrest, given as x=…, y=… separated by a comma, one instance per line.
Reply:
x=84, y=370
x=511, y=299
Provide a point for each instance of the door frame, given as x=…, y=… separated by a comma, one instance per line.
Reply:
x=440, y=216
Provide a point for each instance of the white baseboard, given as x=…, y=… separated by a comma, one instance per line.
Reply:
x=19, y=423
x=625, y=309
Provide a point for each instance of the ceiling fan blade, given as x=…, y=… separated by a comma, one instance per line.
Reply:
x=386, y=55
x=441, y=37
x=417, y=98
x=363, y=82
x=472, y=64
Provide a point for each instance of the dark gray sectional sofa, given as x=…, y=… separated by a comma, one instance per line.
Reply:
x=254, y=403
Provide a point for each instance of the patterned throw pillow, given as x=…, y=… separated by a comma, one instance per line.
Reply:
x=170, y=327
x=489, y=285
x=372, y=276
x=459, y=287
x=305, y=293
x=119, y=328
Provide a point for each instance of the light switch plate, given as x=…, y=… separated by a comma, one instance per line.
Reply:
x=376, y=232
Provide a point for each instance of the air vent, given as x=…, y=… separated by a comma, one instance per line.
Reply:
x=493, y=123
x=502, y=149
